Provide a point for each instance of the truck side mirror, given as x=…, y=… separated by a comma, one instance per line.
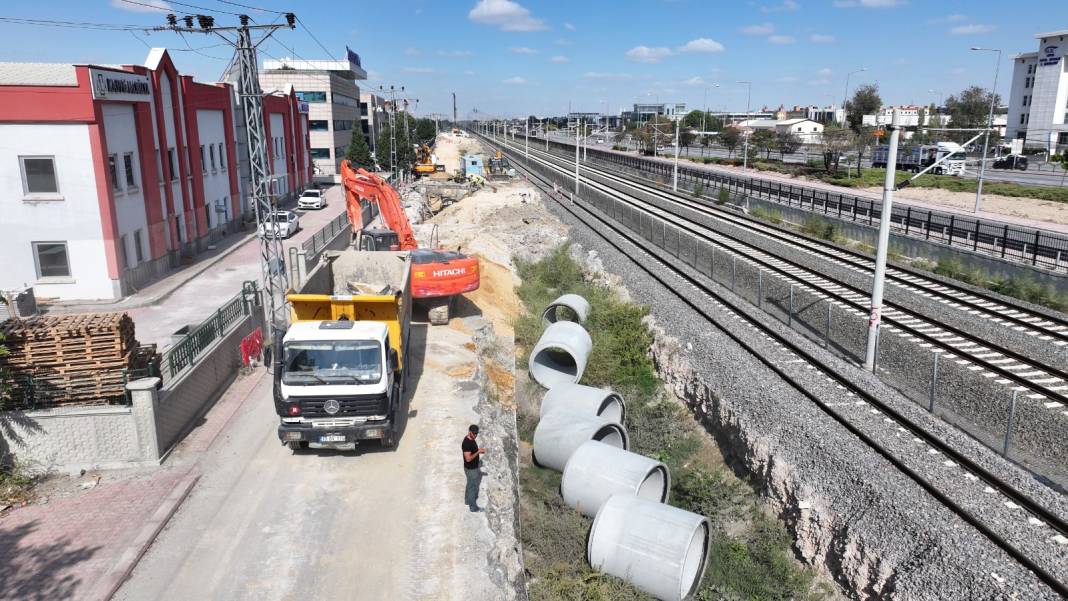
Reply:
x=393, y=360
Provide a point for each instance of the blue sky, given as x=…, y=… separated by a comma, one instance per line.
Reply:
x=513, y=58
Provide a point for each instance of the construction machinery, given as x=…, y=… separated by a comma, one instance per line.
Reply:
x=424, y=161
x=438, y=274
x=498, y=167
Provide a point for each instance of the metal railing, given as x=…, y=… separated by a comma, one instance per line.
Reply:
x=185, y=353
x=315, y=245
x=1037, y=247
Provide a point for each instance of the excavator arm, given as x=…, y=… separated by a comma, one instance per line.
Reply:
x=362, y=184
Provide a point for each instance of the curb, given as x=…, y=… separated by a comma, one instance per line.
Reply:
x=109, y=584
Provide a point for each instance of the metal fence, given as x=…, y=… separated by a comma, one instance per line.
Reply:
x=1041, y=248
x=315, y=245
x=184, y=354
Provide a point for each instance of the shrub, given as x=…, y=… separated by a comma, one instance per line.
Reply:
x=698, y=189
x=819, y=227
x=765, y=215
x=723, y=197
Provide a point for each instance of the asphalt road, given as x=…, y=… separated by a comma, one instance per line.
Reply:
x=266, y=523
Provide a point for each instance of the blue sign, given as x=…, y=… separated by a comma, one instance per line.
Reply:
x=353, y=57
x=1051, y=57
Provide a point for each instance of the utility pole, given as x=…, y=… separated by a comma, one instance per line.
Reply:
x=745, y=148
x=545, y=132
x=454, y=122
x=989, y=126
x=578, y=128
x=264, y=202
x=845, y=96
x=884, y=242
x=675, y=172
x=526, y=138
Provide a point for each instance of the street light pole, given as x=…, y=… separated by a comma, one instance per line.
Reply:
x=745, y=149
x=526, y=138
x=675, y=172
x=845, y=96
x=989, y=126
x=578, y=127
x=884, y=242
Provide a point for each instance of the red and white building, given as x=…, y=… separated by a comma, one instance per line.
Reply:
x=109, y=175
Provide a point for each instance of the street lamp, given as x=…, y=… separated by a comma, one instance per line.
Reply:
x=745, y=147
x=704, y=110
x=845, y=96
x=989, y=126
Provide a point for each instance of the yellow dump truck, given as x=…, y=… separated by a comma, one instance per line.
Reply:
x=342, y=374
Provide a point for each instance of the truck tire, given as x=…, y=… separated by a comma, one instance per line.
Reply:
x=389, y=442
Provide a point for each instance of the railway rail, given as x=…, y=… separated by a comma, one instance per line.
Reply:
x=1047, y=567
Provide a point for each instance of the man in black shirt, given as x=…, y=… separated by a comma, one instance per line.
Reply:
x=472, y=452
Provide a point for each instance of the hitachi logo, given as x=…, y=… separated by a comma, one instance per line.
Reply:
x=445, y=272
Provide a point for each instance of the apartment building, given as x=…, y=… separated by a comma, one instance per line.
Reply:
x=372, y=117
x=1038, y=99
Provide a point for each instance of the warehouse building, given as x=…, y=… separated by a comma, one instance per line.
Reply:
x=110, y=175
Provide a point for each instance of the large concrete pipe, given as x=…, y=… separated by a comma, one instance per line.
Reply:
x=558, y=434
x=658, y=548
x=586, y=400
x=560, y=355
x=597, y=471
x=569, y=307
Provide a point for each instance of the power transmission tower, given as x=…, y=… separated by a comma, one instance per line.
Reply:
x=264, y=201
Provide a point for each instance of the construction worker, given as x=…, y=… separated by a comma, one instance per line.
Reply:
x=472, y=462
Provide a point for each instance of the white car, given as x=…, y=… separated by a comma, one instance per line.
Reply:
x=311, y=199
x=286, y=224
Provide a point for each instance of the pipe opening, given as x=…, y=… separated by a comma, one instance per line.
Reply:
x=654, y=486
x=554, y=365
x=611, y=434
x=555, y=313
x=693, y=564
x=612, y=408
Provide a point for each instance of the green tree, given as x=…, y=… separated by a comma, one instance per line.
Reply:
x=866, y=101
x=835, y=141
x=382, y=156
x=358, y=152
x=786, y=142
x=424, y=131
x=969, y=110
x=686, y=138
x=764, y=141
x=730, y=138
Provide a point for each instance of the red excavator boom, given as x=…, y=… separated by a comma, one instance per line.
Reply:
x=362, y=184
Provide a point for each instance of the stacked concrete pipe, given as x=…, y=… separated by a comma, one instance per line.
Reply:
x=596, y=471
x=560, y=355
x=660, y=549
x=573, y=302
x=587, y=400
x=560, y=433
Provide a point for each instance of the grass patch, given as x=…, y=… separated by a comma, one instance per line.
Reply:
x=751, y=552
x=1026, y=289
x=874, y=177
x=825, y=229
x=16, y=485
x=766, y=215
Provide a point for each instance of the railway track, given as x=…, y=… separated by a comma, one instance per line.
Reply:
x=1045, y=382
x=1042, y=556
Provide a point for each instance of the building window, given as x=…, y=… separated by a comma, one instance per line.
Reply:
x=39, y=175
x=311, y=96
x=125, y=252
x=139, y=250
x=203, y=163
x=342, y=125
x=51, y=259
x=172, y=163
x=128, y=167
x=320, y=153
x=318, y=125
x=1062, y=138
x=222, y=157
x=113, y=171
x=1022, y=118
x=211, y=152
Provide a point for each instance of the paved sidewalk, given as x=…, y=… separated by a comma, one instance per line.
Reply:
x=85, y=546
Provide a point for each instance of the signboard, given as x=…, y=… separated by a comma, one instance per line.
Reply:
x=1049, y=56
x=119, y=86
x=302, y=106
x=353, y=57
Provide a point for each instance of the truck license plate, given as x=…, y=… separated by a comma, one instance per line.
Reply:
x=332, y=438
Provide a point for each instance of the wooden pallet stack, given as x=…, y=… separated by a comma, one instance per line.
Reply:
x=70, y=359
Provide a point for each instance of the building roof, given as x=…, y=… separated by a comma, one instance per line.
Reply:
x=37, y=74
x=1051, y=34
x=345, y=68
x=1023, y=55
x=771, y=123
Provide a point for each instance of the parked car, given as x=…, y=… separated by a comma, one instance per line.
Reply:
x=1012, y=161
x=286, y=224
x=311, y=199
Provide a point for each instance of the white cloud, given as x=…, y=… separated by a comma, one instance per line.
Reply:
x=455, y=53
x=819, y=38
x=781, y=39
x=869, y=3
x=695, y=81
x=702, y=45
x=601, y=75
x=569, y=26
x=522, y=50
x=155, y=6
x=422, y=70
x=758, y=29
x=515, y=81
x=645, y=54
x=824, y=72
x=562, y=42
x=411, y=52
x=971, y=29
x=506, y=15
x=559, y=58
x=787, y=5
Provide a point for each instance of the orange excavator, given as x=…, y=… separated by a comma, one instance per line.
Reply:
x=438, y=274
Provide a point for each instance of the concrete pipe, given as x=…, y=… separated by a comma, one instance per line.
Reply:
x=660, y=549
x=569, y=307
x=586, y=400
x=597, y=471
x=558, y=434
x=560, y=355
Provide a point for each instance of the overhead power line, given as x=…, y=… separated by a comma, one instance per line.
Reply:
x=73, y=24
x=262, y=10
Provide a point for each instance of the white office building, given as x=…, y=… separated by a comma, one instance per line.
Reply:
x=1038, y=101
x=333, y=100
